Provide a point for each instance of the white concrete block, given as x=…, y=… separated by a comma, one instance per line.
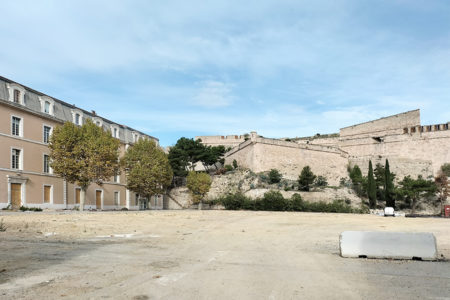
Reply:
x=394, y=245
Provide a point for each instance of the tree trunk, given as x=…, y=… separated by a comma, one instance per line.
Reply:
x=82, y=198
x=200, y=205
x=414, y=205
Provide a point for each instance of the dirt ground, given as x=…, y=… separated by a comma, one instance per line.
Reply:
x=208, y=255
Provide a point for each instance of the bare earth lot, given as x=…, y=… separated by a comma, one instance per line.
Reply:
x=208, y=255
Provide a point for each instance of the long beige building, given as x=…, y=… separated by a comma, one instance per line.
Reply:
x=27, y=119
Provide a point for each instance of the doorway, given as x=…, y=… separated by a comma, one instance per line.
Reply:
x=16, y=195
x=98, y=199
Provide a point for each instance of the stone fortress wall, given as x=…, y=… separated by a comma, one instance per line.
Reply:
x=227, y=141
x=412, y=149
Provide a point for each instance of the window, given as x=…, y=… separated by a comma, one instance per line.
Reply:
x=156, y=200
x=15, y=159
x=116, y=178
x=46, y=163
x=47, y=193
x=77, y=117
x=47, y=132
x=15, y=93
x=16, y=128
x=136, y=200
x=47, y=107
x=16, y=98
x=135, y=137
x=98, y=121
x=116, y=198
x=115, y=131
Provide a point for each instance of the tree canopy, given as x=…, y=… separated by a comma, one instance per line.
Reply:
x=199, y=185
x=414, y=190
x=83, y=155
x=187, y=152
x=306, y=179
x=148, y=169
x=371, y=187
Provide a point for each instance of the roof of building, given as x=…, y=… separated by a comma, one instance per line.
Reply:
x=63, y=104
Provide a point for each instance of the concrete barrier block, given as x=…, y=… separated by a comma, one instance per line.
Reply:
x=394, y=245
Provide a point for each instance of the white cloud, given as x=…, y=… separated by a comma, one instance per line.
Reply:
x=213, y=94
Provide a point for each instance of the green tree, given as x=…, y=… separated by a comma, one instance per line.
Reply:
x=358, y=180
x=185, y=154
x=442, y=185
x=306, y=179
x=389, y=192
x=274, y=176
x=84, y=155
x=148, y=169
x=199, y=185
x=414, y=190
x=371, y=187
x=380, y=181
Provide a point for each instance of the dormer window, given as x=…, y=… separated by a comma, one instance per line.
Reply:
x=97, y=121
x=135, y=137
x=77, y=117
x=16, y=93
x=115, y=131
x=47, y=105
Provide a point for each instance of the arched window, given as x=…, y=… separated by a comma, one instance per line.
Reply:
x=115, y=131
x=77, y=117
x=47, y=105
x=16, y=93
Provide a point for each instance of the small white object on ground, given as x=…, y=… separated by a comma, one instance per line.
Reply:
x=394, y=245
x=389, y=211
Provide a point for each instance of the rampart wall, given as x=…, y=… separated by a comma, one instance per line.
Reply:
x=387, y=125
x=412, y=149
x=216, y=140
x=289, y=158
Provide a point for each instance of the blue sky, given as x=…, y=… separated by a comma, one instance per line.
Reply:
x=187, y=68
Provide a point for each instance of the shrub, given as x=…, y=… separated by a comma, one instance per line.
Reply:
x=321, y=181
x=297, y=203
x=306, y=178
x=235, y=165
x=445, y=168
x=24, y=208
x=234, y=201
x=273, y=200
x=263, y=177
x=228, y=168
x=337, y=206
x=274, y=176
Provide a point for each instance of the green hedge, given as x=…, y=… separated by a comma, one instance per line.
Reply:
x=274, y=201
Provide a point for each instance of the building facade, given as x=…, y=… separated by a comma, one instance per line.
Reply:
x=27, y=119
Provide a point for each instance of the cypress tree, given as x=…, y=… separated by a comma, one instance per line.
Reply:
x=388, y=186
x=371, y=187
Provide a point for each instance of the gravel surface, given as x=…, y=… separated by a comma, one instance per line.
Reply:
x=209, y=255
